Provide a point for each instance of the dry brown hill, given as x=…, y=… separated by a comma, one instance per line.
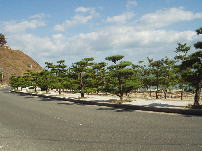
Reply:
x=15, y=62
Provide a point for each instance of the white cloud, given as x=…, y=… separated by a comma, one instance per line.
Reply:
x=126, y=39
x=38, y=16
x=17, y=27
x=85, y=10
x=78, y=19
x=166, y=17
x=131, y=3
x=123, y=18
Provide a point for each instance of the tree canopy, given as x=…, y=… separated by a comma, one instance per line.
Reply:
x=3, y=41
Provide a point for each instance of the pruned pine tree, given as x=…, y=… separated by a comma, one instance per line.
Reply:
x=45, y=80
x=59, y=74
x=192, y=73
x=182, y=51
x=168, y=77
x=155, y=68
x=31, y=78
x=14, y=82
x=81, y=74
x=191, y=69
x=120, y=76
x=144, y=76
x=99, y=74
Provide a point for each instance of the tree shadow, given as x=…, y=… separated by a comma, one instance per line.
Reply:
x=66, y=103
x=163, y=105
x=108, y=101
x=105, y=105
x=115, y=109
x=29, y=97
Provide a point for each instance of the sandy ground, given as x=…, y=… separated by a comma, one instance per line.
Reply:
x=162, y=103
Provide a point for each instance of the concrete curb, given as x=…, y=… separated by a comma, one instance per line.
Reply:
x=122, y=106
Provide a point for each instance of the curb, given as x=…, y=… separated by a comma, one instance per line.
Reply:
x=122, y=106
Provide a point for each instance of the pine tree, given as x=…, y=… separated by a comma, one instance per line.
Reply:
x=3, y=41
x=120, y=76
x=81, y=74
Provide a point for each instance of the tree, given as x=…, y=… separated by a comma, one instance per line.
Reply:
x=191, y=69
x=81, y=74
x=45, y=80
x=18, y=81
x=14, y=82
x=155, y=68
x=144, y=76
x=31, y=79
x=59, y=74
x=3, y=41
x=168, y=76
x=182, y=52
x=192, y=72
x=120, y=76
x=99, y=74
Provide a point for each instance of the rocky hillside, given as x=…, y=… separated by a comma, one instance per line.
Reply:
x=15, y=62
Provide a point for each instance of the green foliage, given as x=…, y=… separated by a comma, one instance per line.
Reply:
x=45, y=80
x=191, y=69
x=18, y=81
x=199, y=31
x=57, y=75
x=3, y=41
x=115, y=58
x=99, y=74
x=120, y=78
x=182, y=51
x=81, y=75
x=198, y=45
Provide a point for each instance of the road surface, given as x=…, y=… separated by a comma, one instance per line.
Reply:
x=36, y=124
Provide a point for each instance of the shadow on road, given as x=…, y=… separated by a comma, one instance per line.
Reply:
x=100, y=107
x=115, y=109
x=163, y=105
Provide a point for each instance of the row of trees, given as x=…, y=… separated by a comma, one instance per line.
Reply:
x=121, y=77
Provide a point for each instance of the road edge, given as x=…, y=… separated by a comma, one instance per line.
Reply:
x=122, y=106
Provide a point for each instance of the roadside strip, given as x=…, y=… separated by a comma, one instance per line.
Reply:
x=122, y=106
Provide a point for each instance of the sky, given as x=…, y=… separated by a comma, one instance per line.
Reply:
x=51, y=30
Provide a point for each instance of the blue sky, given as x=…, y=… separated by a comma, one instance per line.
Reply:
x=50, y=30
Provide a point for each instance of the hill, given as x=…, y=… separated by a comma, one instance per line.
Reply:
x=15, y=62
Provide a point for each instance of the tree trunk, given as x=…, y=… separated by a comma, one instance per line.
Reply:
x=165, y=94
x=150, y=92
x=82, y=94
x=121, y=96
x=59, y=90
x=197, y=96
x=156, y=94
x=181, y=97
x=82, y=85
x=157, y=89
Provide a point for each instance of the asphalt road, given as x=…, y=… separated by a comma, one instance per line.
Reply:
x=36, y=124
